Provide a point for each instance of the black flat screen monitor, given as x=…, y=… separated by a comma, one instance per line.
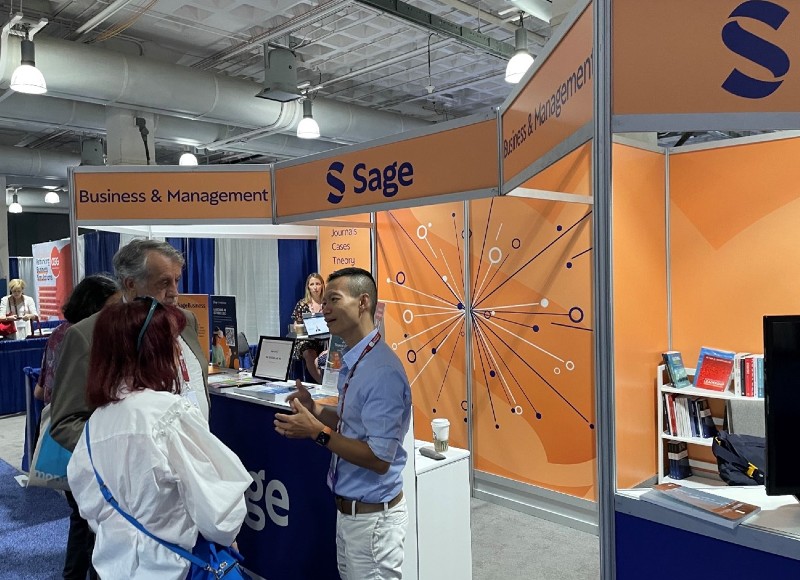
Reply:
x=782, y=403
x=273, y=358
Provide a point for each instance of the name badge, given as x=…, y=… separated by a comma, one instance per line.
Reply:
x=190, y=395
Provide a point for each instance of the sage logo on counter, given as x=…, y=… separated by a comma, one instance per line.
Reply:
x=755, y=49
x=389, y=180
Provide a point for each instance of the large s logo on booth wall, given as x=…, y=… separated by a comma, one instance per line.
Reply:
x=388, y=180
x=755, y=49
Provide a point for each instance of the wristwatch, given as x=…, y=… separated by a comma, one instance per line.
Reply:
x=324, y=436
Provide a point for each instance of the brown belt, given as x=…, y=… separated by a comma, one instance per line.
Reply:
x=346, y=505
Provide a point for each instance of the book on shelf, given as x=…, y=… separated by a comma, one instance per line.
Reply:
x=738, y=373
x=759, y=376
x=676, y=370
x=714, y=369
x=700, y=504
x=678, y=454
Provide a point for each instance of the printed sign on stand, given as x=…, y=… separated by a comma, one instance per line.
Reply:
x=224, y=332
x=53, y=270
x=197, y=304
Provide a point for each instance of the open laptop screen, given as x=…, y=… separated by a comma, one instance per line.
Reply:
x=315, y=324
x=273, y=358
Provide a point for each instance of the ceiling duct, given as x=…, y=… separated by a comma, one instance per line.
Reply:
x=111, y=78
x=280, y=76
x=35, y=163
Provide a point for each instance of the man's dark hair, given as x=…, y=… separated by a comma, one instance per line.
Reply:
x=359, y=282
x=88, y=297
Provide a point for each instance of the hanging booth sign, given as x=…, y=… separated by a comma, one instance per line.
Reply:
x=731, y=57
x=459, y=158
x=554, y=104
x=171, y=195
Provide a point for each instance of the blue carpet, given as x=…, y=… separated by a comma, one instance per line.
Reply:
x=33, y=529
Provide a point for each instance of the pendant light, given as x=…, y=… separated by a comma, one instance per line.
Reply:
x=188, y=158
x=15, y=207
x=522, y=59
x=52, y=197
x=308, y=127
x=27, y=78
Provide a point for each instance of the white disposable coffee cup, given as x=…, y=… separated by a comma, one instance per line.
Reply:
x=441, y=434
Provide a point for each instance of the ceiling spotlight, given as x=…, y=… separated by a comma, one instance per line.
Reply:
x=308, y=127
x=522, y=59
x=188, y=159
x=15, y=207
x=27, y=78
x=51, y=197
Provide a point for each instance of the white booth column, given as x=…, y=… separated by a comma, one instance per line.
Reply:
x=125, y=145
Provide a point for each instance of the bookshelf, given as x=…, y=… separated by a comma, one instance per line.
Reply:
x=663, y=386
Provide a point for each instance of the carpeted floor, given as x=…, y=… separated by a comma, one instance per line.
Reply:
x=33, y=530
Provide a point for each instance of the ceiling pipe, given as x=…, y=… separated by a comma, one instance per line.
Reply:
x=111, y=78
x=36, y=163
x=22, y=111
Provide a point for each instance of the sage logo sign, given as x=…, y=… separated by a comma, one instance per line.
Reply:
x=755, y=49
x=388, y=180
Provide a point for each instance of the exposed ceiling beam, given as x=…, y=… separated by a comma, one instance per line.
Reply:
x=461, y=34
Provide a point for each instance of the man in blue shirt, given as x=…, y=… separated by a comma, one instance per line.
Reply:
x=365, y=433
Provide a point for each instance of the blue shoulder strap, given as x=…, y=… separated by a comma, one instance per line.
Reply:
x=110, y=499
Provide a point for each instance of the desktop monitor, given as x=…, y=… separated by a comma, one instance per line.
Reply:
x=782, y=403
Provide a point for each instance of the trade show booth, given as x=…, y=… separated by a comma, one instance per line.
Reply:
x=536, y=263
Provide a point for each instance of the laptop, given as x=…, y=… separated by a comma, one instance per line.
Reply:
x=315, y=324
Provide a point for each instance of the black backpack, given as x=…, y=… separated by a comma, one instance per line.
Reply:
x=741, y=458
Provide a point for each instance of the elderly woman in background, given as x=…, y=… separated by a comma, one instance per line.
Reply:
x=151, y=445
x=88, y=297
x=18, y=308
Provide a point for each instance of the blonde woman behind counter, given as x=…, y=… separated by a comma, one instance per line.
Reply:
x=18, y=308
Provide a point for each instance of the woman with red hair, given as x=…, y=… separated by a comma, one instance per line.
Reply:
x=152, y=447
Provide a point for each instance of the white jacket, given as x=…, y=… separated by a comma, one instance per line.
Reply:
x=157, y=457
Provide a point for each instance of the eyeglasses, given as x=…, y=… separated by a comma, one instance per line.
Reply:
x=153, y=305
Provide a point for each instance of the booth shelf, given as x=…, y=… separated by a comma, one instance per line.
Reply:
x=663, y=386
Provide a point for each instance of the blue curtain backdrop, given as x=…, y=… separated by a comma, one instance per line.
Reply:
x=198, y=272
x=13, y=268
x=296, y=260
x=98, y=252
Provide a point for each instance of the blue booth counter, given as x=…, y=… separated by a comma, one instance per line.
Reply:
x=658, y=543
x=15, y=355
x=290, y=528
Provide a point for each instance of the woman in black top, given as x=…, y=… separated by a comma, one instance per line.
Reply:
x=309, y=350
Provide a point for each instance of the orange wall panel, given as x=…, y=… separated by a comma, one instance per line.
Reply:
x=735, y=243
x=640, y=306
x=532, y=344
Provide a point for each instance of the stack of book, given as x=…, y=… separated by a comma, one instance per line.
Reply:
x=678, y=460
x=701, y=504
